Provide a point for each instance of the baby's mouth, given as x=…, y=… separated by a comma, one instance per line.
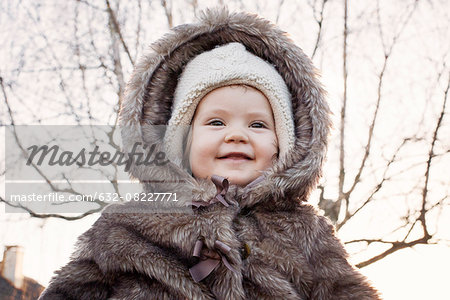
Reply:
x=236, y=156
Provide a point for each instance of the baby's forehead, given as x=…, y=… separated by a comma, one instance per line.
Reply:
x=236, y=88
x=242, y=86
x=235, y=97
x=226, y=95
x=233, y=91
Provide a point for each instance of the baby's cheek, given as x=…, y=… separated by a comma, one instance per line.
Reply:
x=203, y=153
x=269, y=152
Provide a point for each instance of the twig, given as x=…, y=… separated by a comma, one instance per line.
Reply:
x=117, y=30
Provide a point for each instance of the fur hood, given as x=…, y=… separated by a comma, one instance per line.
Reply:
x=149, y=97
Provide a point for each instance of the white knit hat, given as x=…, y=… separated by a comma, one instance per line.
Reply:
x=228, y=65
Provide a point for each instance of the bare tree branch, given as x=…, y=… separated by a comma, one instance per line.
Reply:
x=377, y=188
x=343, y=120
x=168, y=12
x=52, y=52
x=116, y=27
x=81, y=66
x=44, y=176
x=387, y=55
x=423, y=210
x=320, y=23
x=426, y=236
x=279, y=11
x=395, y=246
x=138, y=29
x=57, y=216
x=114, y=32
x=90, y=5
x=194, y=4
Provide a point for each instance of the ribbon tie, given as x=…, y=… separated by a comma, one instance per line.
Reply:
x=210, y=259
x=221, y=184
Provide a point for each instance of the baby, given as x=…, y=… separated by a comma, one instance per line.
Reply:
x=254, y=151
x=233, y=135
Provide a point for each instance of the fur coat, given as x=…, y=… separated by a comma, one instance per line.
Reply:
x=276, y=245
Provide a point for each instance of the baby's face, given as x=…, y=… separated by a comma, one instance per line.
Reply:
x=233, y=135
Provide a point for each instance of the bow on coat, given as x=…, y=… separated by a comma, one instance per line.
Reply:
x=221, y=184
x=211, y=258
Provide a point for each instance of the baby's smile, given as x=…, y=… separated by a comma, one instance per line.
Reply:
x=236, y=156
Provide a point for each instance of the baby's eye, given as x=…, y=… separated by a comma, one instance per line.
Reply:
x=216, y=123
x=258, y=125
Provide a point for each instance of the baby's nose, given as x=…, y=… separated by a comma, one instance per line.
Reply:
x=236, y=136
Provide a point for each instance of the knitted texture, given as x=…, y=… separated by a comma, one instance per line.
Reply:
x=227, y=65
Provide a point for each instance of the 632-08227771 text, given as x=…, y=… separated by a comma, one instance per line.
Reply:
x=97, y=196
